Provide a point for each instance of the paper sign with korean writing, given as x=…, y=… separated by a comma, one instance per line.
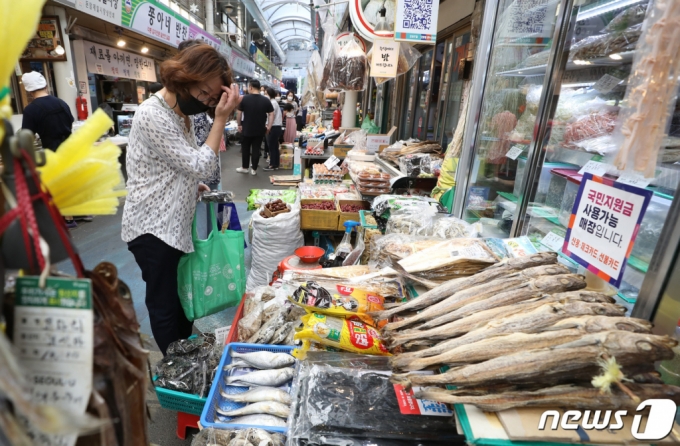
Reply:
x=385, y=58
x=54, y=340
x=241, y=64
x=410, y=405
x=416, y=21
x=603, y=225
x=109, y=10
x=109, y=61
x=151, y=18
x=195, y=32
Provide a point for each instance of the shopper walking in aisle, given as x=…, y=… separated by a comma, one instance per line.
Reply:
x=49, y=117
x=274, y=132
x=291, y=126
x=258, y=115
x=165, y=165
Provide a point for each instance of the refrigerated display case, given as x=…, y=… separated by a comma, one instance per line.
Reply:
x=578, y=95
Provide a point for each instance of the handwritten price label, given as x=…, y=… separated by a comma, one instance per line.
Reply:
x=514, y=152
x=553, y=241
x=331, y=162
x=598, y=169
x=634, y=179
x=606, y=84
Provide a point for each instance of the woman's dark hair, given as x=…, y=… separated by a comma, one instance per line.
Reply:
x=183, y=45
x=288, y=107
x=271, y=92
x=195, y=64
x=155, y=87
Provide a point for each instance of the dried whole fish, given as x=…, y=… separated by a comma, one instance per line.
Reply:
x=258, y=394
x=477, y=293
x=531, y=289
x=265, y=360
x=266, y=332
x=548, y=363
x=531, y=322
x=282, y=333
x=259, y=420
x=269, y=378
x=481, y=318
x=564, y=396
x=452, y=286
x=267, y=407
x=236, y=365
x=240, y=442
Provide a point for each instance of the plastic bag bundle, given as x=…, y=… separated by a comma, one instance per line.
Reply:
x=408, y=56
x=349, y=69
x=603, y=45
x=627, y=18
x=387, y=249
x=345, y=334
x=590, y=126
x=226, y=437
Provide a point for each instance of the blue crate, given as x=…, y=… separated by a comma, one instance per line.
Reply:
x=208, y=418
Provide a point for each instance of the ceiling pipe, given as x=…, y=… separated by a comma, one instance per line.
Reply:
x=261, y=21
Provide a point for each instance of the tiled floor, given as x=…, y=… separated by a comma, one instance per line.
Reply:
x=100, y=240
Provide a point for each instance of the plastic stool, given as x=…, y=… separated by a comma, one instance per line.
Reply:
x=185, y=420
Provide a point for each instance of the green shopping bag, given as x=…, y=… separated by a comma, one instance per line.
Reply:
x=213, y=277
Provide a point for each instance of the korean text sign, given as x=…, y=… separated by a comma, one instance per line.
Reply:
x=109, y=10
x=603, y=225
x=385, y=58
x=153, y=19
x=110, y=61
x=416, y=21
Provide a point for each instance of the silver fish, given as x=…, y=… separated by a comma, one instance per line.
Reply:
x=268, y=407
x=259, y=420
x=236, y=365
x=452, y=286
x=282, y=333
x=257, y=394
x=269, y=378
x=265, y=360
x=240, y=442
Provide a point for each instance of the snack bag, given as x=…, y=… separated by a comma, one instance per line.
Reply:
x=346, y=334
x=341, y=301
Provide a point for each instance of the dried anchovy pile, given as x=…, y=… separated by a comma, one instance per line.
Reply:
x=190, y=365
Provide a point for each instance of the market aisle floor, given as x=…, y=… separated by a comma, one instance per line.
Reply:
x=100, y=241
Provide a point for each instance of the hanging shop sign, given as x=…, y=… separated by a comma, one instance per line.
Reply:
x=195, y=32
x=152, y=19
x=44, y=42
x=604, y=223
x=109, y=10
x=109, y=61
x=343, y=39
x=362, y=25
x=385, y=58
x=54, y=340
x=241, y=64
x=416, y=21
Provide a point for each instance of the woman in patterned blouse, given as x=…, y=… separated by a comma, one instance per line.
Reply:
x=165, y=167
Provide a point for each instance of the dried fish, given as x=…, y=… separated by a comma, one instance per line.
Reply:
x=259, y=420
x=531, y=289
x=564, y=396
x=264, y=360
x=266, y=332
x=481, y=318
x=282, y=333
x=269, y=378
x=258, y=394
x=452, y=286
x=266, y=407
x=532, y=322
x=548, y=363
x=477, y=293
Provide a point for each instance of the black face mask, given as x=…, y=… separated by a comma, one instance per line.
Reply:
x=191, y=106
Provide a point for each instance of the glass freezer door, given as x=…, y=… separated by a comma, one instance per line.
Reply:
x=522, y=33
x=603, y=46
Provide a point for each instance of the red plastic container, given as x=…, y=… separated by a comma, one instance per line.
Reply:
x=309, y=254
x=233, y=331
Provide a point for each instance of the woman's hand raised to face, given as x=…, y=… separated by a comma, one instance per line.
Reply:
x=230, y=99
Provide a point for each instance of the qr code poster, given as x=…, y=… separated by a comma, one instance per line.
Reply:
x=416, y=21
x=529, y=18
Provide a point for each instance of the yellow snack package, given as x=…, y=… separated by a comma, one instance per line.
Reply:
x=338, y=300
x=346, y=334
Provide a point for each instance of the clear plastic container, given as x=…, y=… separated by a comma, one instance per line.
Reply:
x=558, y=182
x=569, y=197
x=650, y=228
x=544, y=179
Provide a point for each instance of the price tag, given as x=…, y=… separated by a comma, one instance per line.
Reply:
x=331, y=162
x=634, y=179
x=553, y=241
x=514, y=152
x=54, y=340
x=598, y=169
x=221, y=334
x=606, y=83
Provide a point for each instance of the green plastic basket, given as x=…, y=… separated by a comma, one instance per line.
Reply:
x=180, y=402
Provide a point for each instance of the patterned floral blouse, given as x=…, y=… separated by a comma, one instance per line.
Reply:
x=164, y=165
x=202, y=125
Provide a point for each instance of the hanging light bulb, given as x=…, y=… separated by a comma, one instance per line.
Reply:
x=121, y=43
x=382, y=28
x=145, y=49
x=59, y=50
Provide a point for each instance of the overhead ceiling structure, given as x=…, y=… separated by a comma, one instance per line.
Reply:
x=289, y=20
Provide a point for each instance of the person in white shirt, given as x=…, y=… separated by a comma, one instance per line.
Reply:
x=274, y=132
x=165, y=168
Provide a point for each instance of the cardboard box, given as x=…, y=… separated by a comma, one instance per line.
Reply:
x=376, y=143
x=319, y=220
x=286, y=161
x=340, y=150
x=354, y=216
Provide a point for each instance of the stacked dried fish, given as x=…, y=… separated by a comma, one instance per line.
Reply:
x=393, y=154
x=516, y=333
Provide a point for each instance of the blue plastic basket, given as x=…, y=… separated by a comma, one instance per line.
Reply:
x=208, y=418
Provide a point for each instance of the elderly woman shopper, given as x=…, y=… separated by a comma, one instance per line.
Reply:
x=165, y=166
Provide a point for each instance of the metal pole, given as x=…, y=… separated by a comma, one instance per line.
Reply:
x=209, y=16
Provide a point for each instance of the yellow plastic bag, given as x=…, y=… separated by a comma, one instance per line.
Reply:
x=346, y=334
x=341, y=300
